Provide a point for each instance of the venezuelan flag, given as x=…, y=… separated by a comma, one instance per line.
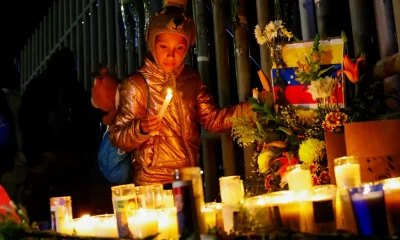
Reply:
x=295, y=92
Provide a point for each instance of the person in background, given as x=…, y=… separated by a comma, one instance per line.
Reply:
x=161, y=145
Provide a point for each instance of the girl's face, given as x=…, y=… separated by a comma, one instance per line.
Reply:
x=170, y=50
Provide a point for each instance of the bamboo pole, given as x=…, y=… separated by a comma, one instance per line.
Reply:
x=50, y=31
x=55, y=25
x=326, y=18
x=263, y=17
x=79, y=43
x=110, y=18
x=210, y=168
x=127, y=17
x=60, y=26
x=119, y=42
x=362, y=20
x=66, y=21
x=94, y=42
x=86, y=47
x=387, y=42
x=140, y=20
x=150, y=7
x=72, y=16
x=102, y=31
x=222, y=56
x=242, y=60
x=307, y=19
x=189, y=54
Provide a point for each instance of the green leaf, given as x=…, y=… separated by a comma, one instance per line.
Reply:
x=286, y=130
x=324, y=71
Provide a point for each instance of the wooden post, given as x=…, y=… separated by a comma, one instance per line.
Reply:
x=387, y=42
x=307, y=19
x=326, y=18
x=242, y=60
x=222, y=56
x=263, y=18
x=110, y=18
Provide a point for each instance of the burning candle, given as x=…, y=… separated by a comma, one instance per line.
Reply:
x=210, y=215
x=369, y=209
x=345, y=219
x=347, y=172
x=143, y=223
x=124, y=200
x=61, y=213
x=299, y=178
x=168, y=224
x=232, y=189
x=323, y=209
x=260, y=215
x=83, y=226
x=166, y=103
x=391, y=188
x=105, y=226
x=168, y=199
x=286, y=209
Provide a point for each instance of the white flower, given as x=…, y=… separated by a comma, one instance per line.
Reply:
x=322, y=88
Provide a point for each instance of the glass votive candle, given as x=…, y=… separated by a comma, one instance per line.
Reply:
x=299, y=178
x=369, y=209
x=219, y=222
x=259, y=213
x=391, y=188
x=286, y=209
x=124, y=200
x=145, y=197
x=60, y=213
x=168, y=199
x=83, y=226
x=345, y=219
x=347, y=171
x=168, y=224
x=232, y=189
x=210, y=215
x=158, y=190
x=323, y=200
x=105, y=226
x=143, y=223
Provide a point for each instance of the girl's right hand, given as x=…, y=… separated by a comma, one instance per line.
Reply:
x=149, y=124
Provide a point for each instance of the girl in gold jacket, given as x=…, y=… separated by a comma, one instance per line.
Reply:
x=161, y=145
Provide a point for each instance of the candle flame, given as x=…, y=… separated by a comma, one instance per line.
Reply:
x=169, y=91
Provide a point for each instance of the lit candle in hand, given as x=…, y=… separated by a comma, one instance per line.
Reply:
x=166, y=103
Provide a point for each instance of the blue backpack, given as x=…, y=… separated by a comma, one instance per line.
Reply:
x=115, y=164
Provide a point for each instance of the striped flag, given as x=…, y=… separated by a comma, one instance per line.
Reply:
x=296, y=92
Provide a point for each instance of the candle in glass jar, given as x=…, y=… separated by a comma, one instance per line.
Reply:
x=323, y=203
x=105, y=226
x=166, y=103
x=288, y=207
x=369, y=209
x=83, y=226
x=232, y=190
x=168, y=199
x=347, y=172
x=168, y=224
x=143, y=223
x=259, y=212
x=391, y=188
x=61, y=213
x=299, y=178
x=210, y=215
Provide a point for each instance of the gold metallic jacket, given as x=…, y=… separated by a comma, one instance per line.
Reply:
x=178, y=142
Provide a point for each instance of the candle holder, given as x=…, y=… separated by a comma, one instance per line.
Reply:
x=345, y=219
x=83, y=226
x=323, y=200
x=369, y=209
x=232, y=190
x=143, y=223
x=105, y=226
x=347, y=171
x=145, y=197
x=391, y=188
x=158, y=191
x=210, y=215
x=60, y=213
x=168, y=224
x=124, y=200
x=285, y=209
x=168, y=199
x=260, y=216
x=299, y=178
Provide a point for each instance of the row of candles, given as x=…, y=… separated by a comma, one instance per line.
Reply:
x=366, y=209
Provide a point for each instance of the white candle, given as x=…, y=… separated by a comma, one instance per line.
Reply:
x=166, y=103
x=348, y=175
x=143, y=223
x=83, y=226
x=168, y=224
x=105, y=226
x=232, y=190
x=299, y=179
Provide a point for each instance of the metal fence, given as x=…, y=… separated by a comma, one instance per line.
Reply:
x=90, y=28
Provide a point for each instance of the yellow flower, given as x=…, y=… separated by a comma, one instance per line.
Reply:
x=261, y=39
x=306, y=116
x=263, y=160
x=311, y=150
x=286, y=33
